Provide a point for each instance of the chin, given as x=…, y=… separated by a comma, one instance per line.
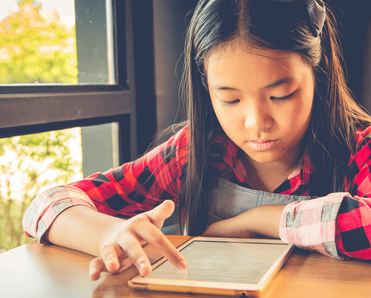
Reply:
x=264, y=157
x=262, y=161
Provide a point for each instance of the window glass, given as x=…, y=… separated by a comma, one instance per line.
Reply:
x=56, y=42
x=30, y=164
x=99, y=147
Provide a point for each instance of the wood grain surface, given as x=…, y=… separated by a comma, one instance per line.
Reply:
x=52, y=271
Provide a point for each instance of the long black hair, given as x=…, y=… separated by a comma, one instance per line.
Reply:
x=268, y=24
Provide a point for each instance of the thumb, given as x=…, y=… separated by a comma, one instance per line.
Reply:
x=158, y=215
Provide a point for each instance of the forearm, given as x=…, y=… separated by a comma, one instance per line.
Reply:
x=81, y=228
x=263, y=220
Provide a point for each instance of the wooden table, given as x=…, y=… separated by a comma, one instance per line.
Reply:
x=52, y=271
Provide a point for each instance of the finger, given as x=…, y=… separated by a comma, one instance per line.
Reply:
x=110, y=258
x=137, y=256
x=96, y=267
x=155, y=237
x=158, y=215
x=125, y=263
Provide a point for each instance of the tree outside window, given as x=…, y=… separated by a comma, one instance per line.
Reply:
x=35, y=48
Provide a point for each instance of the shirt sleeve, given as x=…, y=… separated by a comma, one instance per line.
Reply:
x=312, y=224
x=45, y=208
x=123, y=192
x=353, y=230
x=338, y=224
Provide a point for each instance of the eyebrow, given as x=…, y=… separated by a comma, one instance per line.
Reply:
x=279, y=82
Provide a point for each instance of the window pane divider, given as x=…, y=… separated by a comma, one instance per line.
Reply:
x=43, y=108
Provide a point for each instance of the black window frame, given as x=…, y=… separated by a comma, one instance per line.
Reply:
x=39, y=108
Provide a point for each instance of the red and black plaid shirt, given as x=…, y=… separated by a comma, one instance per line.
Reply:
x=337, y=224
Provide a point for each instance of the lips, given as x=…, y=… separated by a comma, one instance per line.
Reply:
x=261, y=145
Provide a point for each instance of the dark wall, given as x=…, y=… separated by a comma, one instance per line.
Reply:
x=354, y=18
x=159, y=32
x=144, y=72
x=169, y=18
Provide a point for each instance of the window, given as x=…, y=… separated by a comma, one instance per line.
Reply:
x=79, y=74
x=103, y=91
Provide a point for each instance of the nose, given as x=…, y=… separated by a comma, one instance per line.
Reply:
x=258, y=117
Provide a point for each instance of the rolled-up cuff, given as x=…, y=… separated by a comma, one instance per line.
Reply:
x=48, y=205
x=312, y=224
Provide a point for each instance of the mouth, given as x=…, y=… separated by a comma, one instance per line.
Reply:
x=261, y=145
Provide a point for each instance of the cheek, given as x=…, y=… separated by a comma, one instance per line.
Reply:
x=293, y=120
x=307, y=111
x=229, y=120
x=301, y=118
x=222, y=115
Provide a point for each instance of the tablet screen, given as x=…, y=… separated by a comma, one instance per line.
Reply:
x=223, y=262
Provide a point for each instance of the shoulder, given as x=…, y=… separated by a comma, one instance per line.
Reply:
x=181, y=138
x=362, y=136
x=362, y=146
x=174, y=149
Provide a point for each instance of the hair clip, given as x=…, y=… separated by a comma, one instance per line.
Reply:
x=317, y=13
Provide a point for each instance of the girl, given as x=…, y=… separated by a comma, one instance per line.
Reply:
x=274, y=145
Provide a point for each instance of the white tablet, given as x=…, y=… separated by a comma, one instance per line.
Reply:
x=219, y=266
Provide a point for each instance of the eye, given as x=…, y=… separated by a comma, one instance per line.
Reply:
x=283, y=98
x=229, y=103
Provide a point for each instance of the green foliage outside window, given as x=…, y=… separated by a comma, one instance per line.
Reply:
x=33, y=49
x=40, y=161
x=36, y=49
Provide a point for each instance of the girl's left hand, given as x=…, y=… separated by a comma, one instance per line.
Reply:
x=262, y=220
x=232, y=227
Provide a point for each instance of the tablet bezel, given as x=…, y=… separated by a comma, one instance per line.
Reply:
x=210, y=287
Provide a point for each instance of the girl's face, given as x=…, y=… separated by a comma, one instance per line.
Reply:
x=263, y=101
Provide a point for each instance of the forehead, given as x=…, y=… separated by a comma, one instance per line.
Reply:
x=236, y=62
x=240, y=48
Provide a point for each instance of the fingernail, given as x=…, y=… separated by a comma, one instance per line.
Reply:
x=182, y=265
x=92, y=271
x=110, y=259
x=142, y=268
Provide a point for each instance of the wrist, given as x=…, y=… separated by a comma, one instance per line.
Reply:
x=108, y=234
x=265, y=220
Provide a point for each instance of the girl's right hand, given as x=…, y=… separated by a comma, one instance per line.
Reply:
x=121, y=245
